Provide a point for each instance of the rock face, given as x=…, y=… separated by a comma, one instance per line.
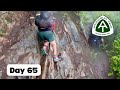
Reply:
x=20, y=46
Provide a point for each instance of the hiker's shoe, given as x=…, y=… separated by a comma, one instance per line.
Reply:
x=56, y=59
x=43, y=52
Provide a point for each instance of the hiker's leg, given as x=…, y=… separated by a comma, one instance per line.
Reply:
x=50, y=38
x=46, y=43
x=53, y=43
x=55, y=58
x=40, y=38
x=42, y=43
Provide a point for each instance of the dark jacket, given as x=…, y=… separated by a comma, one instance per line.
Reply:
x=94, y=41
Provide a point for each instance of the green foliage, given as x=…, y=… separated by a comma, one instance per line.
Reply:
x=110, y=73
x=114, y=55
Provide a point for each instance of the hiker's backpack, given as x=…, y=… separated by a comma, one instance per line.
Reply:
x=45, y=21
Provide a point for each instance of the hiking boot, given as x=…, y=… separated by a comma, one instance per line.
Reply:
x=56, y=59
x=43, y=52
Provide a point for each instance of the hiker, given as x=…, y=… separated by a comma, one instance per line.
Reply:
x=95, y=41
x=46, y=24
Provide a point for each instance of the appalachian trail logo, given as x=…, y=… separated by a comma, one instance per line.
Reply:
x=102, y=27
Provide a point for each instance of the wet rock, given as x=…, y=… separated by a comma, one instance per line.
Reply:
x=15, y=46
x=65, y=67
x=21, y=40
x=0, y=74
x=74, y=35
x=3, y=12
x=82, y=74
x=0, y=48
x=20, y=51
x=2, y=57
x=63, y=42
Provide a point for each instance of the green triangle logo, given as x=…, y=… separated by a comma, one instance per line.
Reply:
x=102, y=27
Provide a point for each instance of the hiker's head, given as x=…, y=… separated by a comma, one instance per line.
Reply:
x=45, y=14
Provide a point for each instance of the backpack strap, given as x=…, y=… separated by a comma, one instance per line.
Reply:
x=54, y=25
